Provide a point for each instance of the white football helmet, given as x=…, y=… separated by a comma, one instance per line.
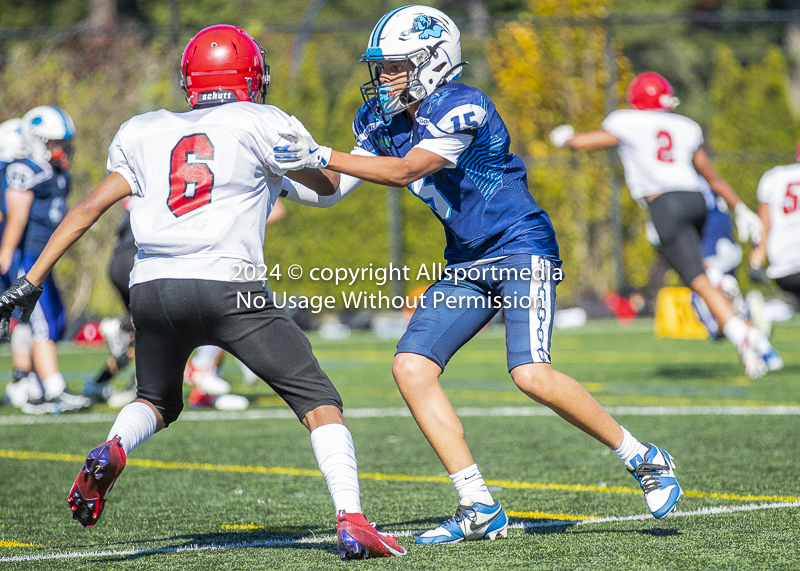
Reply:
x=43, y=124
x=430, y=44
x=12, y=145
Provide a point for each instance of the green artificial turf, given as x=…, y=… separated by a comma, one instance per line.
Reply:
x=217, y=493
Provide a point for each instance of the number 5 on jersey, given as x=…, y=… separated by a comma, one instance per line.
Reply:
x=190, y=182
x=427, y=191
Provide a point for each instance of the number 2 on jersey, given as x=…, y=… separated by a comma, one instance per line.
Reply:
x=665, y=149
x=190, y=183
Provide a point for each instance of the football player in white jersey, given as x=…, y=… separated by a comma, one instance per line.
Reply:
x=662, y=155
x=207, y=180
x=779, y=210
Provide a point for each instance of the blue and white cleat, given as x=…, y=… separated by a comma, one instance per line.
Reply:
x=657, y=479
x=471, y=522
x=773, y=360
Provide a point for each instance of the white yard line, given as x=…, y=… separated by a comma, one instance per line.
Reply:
x=285, y=413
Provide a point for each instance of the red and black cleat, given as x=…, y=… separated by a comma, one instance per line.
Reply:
x=102, y=467
x=358, y=539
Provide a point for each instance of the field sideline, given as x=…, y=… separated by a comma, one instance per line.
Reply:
x=242, y=490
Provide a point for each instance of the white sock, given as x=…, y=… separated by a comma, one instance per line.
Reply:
x=470, y=486
x=54, y=385
x=735, y=330
x=35, y=387
x=135, y=423
x=630, y=447
x=205, y=357
x=336, y=455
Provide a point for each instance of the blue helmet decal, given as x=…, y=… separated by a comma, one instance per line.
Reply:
x=426, y=27
x=36, y=121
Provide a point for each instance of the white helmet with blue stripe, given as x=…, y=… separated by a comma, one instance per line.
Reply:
x=12, y=145
x=421, y=36
x=46, y=123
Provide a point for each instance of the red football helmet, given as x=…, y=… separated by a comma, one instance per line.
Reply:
x=649, y=91
x=222, y=64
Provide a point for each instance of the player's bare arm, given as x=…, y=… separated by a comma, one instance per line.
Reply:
x=322, y=181
x=18, y=204
x=113, y=189
x=758, y=255
x=747, y=223
x=389, y=171
x=592, y=140
x=705, y=168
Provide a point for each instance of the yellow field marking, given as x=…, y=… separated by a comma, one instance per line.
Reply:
x=536, y=514
x=17, y=544
x=23, y=455
x=249, y=526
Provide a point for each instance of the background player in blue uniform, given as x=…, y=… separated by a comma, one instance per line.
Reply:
x=448, y=144
x=24, y=383
x=36, y=189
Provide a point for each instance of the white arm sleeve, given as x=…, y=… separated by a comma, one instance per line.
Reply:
x=301, y=194
x=449, y=147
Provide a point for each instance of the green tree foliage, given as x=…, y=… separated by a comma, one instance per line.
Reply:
x=100, y=84
x=547, y=75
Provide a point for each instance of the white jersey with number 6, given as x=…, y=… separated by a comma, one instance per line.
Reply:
x=207, y=181
x=656, y=149
x=780, y=189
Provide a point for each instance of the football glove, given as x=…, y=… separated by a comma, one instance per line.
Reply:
x=561, y=134
x=21, y=293
x=748, y=224
x=304, y=152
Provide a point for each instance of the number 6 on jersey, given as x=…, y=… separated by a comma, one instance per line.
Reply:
x=190, y=183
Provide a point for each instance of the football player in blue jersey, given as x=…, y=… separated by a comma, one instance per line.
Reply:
x=36, y=189
x=446, y=142
x=24, y=384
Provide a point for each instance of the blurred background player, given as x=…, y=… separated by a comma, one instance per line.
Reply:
x=184, y=291
x=721, y=256
x=662, y=155
x=36, y=189
x=446, y=141
x=25, y=384
x=779, y=210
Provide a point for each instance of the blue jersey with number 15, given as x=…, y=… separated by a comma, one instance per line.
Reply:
x=483, y=202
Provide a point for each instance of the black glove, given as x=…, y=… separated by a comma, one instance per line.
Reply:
x=21, y=293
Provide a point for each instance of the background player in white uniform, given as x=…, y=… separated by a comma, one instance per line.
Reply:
x=207, y=179
x=662, y=155
x=779, y=210
x=446, y=141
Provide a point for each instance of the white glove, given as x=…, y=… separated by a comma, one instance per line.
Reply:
x=748, y=224
x=303, y=152
x=561, y=134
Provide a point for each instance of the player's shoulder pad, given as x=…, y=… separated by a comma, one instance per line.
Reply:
x=25, y=173
x=454, y=108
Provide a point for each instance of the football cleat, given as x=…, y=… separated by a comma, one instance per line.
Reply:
x=657, y=479
x=358, y=539
x=754, y=364
x=102, y=467
x=471, y=522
